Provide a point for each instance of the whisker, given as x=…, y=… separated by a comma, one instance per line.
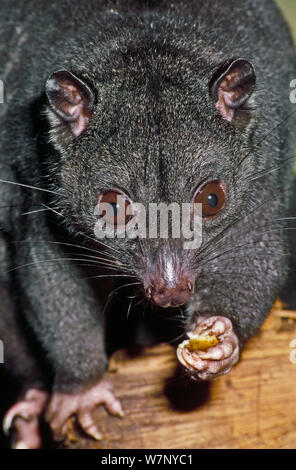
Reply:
x=257, y=145
x=52, y=210
x=221, y=235
x=105, y=275
x=176, y=338
x=241, y=257
x=255, y=176
x=29, y=186
x=49, y=261
x=34, y=211
x=245, y=256
x=115, y=291
x=129, y=308
x=96, y=240
x=83, y=247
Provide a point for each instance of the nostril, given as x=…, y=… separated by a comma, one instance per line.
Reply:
x=148, y=292
x=163, y=295
x=152, y=291
x=189, y=286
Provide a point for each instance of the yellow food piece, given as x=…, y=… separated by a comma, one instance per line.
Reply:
x=200, y=343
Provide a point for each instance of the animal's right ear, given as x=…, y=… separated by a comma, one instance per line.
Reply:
x=71, y=99
x=232, y=88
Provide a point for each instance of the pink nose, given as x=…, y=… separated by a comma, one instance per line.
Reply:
x=162, y=295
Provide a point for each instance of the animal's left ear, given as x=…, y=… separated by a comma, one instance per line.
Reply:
x=71, y=99
x=231, y=88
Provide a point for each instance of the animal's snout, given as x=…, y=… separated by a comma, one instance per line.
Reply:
x=164, y=294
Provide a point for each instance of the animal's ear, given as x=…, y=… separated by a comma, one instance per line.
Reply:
x=232, y=87
x=71, y=99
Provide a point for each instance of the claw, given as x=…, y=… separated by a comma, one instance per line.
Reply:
x=216, y=360
x=82, y=404
x=89, y=425
x=24, y=417
x=22, y=409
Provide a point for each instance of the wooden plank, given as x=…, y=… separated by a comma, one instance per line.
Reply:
x=252, y=407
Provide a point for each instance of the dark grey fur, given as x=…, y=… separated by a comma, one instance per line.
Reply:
x=155, y=133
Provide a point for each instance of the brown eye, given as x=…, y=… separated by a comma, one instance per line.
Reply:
x=212, y=197
x=113, y=208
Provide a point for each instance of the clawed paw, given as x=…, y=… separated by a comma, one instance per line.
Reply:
x=23, y=418
x=82, y=404
x=217, y=360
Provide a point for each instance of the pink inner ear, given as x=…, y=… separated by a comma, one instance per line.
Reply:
x=223, y=106
x=74, y=105
x=227, y=95
x=82, y=116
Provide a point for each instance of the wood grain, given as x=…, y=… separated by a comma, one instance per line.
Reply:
x=252, y=407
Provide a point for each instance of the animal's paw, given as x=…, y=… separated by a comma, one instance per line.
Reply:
x=217, y=360
x=81, y=404
x=23, y=419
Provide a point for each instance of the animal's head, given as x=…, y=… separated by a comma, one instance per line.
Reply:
x=153, y=126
